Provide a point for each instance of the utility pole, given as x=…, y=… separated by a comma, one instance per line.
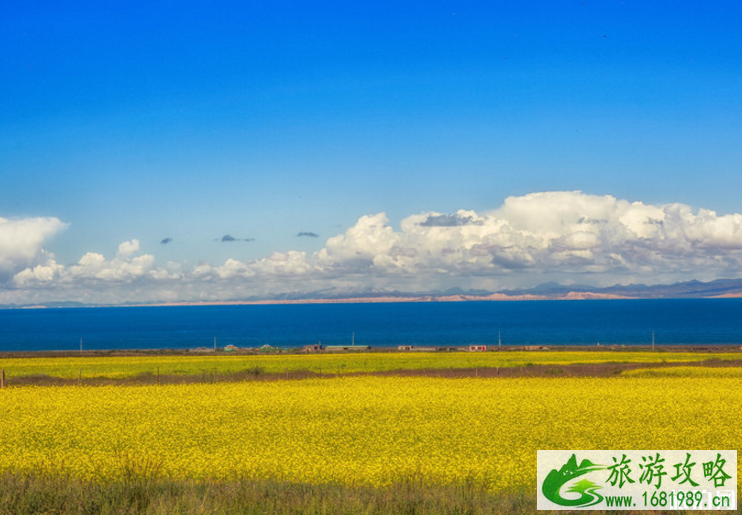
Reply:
x=652, y=341
x=214, y=342
x=80, y=346
x=499, y=341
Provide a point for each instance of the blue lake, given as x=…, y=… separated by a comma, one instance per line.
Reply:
x=629, y=322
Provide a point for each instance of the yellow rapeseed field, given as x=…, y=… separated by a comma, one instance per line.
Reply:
x=358, y=430
x=128, y=366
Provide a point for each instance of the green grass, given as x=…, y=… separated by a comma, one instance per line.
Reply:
x=685, y=372
x=34, y=495
x=39, y=495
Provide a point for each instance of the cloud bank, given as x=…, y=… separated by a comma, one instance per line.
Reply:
x=563, y=236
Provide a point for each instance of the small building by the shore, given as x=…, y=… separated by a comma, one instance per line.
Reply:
x=347, y=348
x=267, y=349
x=477, y=348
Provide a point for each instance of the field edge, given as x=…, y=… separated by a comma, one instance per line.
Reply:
x=27, y=494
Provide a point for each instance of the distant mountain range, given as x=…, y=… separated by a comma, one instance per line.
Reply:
x=681, y=290
x=722, y=288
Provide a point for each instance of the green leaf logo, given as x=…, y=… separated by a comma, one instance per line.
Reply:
x=557, y=479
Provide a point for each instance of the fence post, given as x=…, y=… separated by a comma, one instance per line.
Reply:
x=79, y=377
x=158, y=375
x=2, y=379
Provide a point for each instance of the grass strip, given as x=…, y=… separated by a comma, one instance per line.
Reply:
x=44, y=495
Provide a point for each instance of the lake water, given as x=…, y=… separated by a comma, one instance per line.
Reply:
x=629, y=322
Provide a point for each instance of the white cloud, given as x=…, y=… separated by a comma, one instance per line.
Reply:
x=370, y=237
x=95, y=268
x=567, y=236
x=40, y=274
x=125, y=267
x=127, y=248
x=548, y=233
x=22, y=243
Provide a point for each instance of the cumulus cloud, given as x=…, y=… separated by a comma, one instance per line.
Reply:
x=22, y=243
x=529, y=239
x=128, y=248
x=557, y=233
x=94, y=268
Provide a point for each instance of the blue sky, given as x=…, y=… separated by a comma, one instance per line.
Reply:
x=144, y=121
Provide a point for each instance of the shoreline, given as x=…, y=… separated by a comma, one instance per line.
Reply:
x=665, y=348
